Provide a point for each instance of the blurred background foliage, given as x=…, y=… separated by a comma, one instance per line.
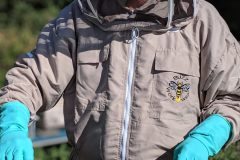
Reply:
x=21, y=21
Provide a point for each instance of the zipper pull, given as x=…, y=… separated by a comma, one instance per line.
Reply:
x=135, y=33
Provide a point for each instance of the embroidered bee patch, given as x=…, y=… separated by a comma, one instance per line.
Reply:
x=178, y=89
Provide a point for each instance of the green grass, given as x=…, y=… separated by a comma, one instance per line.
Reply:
x=59, y=152
x=62, y=152
x=231, y=153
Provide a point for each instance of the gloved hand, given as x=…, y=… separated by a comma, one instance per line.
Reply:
x=14, y=141
x=191, y=149
x=205, y=140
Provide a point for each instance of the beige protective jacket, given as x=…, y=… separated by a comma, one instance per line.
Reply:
x=134, y=83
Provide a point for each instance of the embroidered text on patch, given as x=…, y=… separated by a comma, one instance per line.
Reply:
x=178, y=89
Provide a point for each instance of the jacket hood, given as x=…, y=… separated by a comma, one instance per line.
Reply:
x=154, y=15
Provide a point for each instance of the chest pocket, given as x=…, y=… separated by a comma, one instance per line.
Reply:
x=175, y=86
x=176, y=62
x=92, y=71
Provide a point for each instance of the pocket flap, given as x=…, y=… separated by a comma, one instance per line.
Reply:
x=185, y=64
x=93, y=56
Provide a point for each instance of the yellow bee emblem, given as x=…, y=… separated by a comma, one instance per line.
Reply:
x=179, y=87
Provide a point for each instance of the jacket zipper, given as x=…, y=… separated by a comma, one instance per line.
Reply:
x=128, y=100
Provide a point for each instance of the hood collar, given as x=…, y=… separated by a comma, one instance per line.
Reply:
x=154, y=15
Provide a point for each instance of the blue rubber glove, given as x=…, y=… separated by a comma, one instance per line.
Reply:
x=205, y=140
x=14, y=141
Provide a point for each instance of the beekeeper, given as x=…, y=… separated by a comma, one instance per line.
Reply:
x=140, y=79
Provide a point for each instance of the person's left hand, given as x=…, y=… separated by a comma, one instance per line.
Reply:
x=190, y=149
x=204, y=140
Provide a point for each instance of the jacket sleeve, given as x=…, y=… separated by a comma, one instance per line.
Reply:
x=220, y=71
x=39, y=78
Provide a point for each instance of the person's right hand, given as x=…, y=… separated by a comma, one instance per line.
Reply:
x=16, y=145
x=14, y=141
